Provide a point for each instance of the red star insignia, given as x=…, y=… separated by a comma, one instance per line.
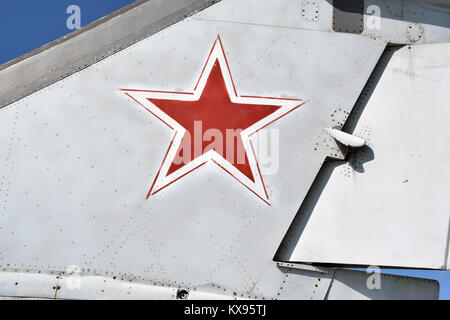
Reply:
x=212, y=123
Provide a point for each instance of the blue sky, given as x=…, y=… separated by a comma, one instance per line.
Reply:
x=26, y=25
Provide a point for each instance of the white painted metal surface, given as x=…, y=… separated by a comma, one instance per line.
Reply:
x=346, y=139
x=285, y=283
x=28, y=285
x=407, y=22
x=83, y=156
x=347, y=286
x=389, y=204
x=78, y=158
x=283, y=13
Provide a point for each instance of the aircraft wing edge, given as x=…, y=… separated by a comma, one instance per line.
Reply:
x=79, y=50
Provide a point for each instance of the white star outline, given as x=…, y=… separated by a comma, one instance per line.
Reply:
x=162, y=180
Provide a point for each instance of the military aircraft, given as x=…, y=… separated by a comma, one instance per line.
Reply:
x=234, y=149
